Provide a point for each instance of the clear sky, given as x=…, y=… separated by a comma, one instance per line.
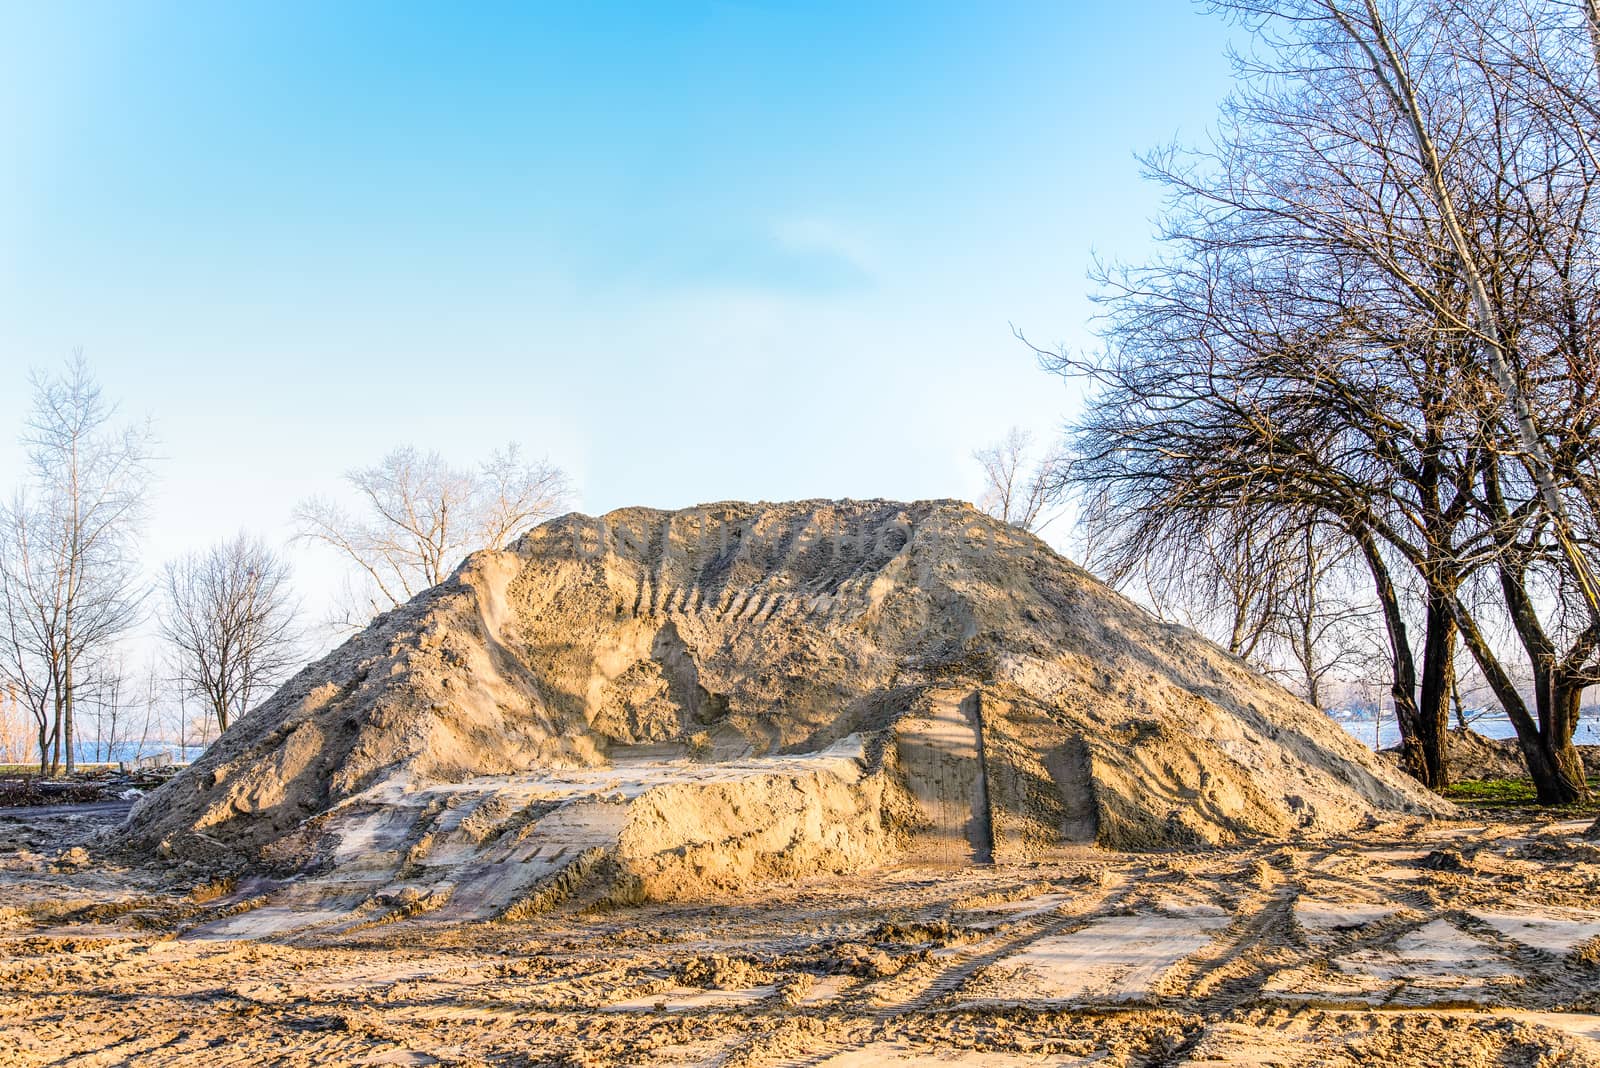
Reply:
x=690, y=251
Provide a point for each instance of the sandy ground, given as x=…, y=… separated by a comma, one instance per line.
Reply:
x=1411, y=944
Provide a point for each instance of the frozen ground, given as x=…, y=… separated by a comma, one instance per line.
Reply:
x=1411, y=944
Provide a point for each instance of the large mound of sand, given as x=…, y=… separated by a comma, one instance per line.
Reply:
x=676, y=702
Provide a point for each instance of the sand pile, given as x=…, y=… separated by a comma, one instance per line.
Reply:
x=673, y=703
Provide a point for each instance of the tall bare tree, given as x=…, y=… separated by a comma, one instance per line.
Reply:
x=69, y=574
x=229, y=617
x=1420, y=175
x=418, y=516
x=513, y=493
x=102, y=693
x=1392, y=64
x=1380, y=283
x=30, y=659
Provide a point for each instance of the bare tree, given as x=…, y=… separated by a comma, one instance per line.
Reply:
x=1015, y=489
x=68, y=570
x=1425, y=170
x=418, y=516
x=1381, y=281
x=149, y=726
x=515, y=493
x=30, y=659
x=229, y=617
x=1392, y=67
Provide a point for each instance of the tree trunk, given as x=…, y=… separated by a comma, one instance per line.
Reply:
x=1565, y=707
x=1433, y=705
x=1552, y=782
x=1413, y=756
x=55, y=739
x=71, y=735
x=1591, y=18
x=1556, y=772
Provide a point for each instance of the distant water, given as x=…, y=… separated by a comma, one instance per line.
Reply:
x=89, y=753
x=1588, y=732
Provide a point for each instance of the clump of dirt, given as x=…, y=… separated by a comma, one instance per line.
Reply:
x=870, y=962
x=74, y=859
x=705, y=701
x=718, y=971
x=794, y=986
x=932, y=933
x=1446, y=860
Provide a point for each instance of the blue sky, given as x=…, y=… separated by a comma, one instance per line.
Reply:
x=692, y=252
